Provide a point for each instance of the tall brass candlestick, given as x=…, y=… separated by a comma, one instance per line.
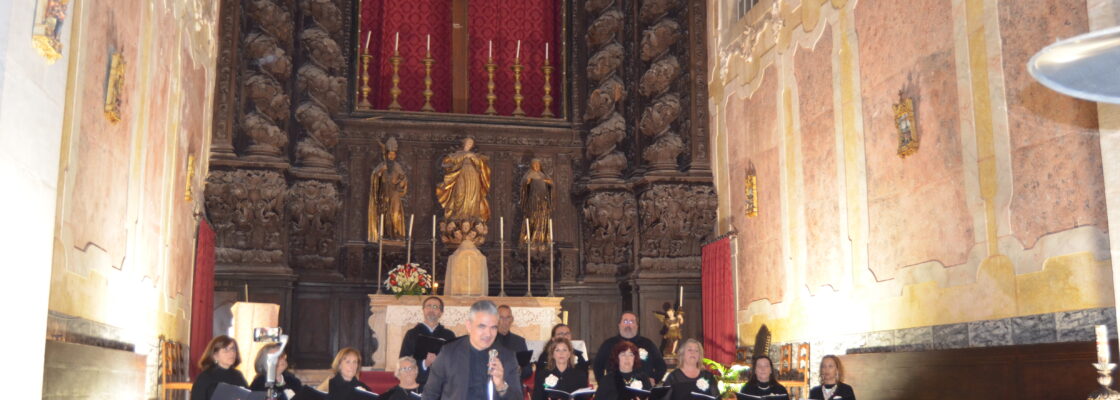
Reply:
x=551, y=261
x=364, y=103
x=547, y=98
x=517, y=97
x=395, y=91
x=380, y=250
x=490, y=96
x=428, y=60
x=435, y=280
x=528, y=259
x=502, y=255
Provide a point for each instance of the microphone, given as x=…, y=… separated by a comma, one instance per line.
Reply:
x=493, y=356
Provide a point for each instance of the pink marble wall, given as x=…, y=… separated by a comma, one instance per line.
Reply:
x=1055, y=147
x=916, y=206
x=753, y=136
x=98, y=204
x=821, y=185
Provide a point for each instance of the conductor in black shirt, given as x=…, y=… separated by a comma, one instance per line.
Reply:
x=433, y=311
x=509, y=339
x=476, y=367
x=652, y=362
x=218, y=365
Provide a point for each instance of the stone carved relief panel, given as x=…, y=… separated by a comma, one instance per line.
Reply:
x=246, y=208
x=676, y=220
x=611, y=219
x=312, y=207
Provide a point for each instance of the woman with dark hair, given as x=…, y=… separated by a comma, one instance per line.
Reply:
x=561, y=372
x=625, y=371
x=345, y=380
x=761, y=383
x=287, y=385
x=690, y=375
x=218, y=365
x=832, y=382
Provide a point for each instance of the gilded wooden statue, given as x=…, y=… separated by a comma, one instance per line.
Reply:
x=388, y=185
x=536, y=206
x=463, y=194
x=672, y=318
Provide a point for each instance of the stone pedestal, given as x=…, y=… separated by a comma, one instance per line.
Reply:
x=391, y=317
x=466, y=272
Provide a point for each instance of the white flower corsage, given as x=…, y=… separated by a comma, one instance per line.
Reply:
x=636, y=384
x=702, y=384
x=551, y=381
x=643, y=354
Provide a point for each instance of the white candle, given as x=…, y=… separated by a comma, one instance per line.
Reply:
x=565, y=318
x=502, y=227
x=367, y=41
x=381, y=227
x=429, y=44
x=546, y=51
x=680, y=298
x=1102, y=345
x=550, y=230
x=433, y=227
x=411, y=218
x=490, y=53
x=518, y=50
x=397, y=42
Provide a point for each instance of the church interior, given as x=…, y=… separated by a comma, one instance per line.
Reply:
x=883, y=181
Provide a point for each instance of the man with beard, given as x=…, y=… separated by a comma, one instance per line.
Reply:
x=477, y=367
x=433, y=310
x=652, y=362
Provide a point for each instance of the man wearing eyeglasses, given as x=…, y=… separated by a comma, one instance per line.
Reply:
x=652, y=362
x=433, y=311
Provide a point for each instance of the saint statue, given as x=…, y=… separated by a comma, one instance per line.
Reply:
x=466, y=183
x=671, y=319
x=536, y=204
x=387, y=186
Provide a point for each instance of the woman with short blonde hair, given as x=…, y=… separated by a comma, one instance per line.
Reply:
x=690, y=375
x=345, y=381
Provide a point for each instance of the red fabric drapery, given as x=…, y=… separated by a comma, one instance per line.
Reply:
x=415, y=20
x=534, y=22
x=202, y=296
x=720, y=338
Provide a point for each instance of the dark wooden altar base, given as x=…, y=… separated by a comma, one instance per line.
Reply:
x=1042, y=371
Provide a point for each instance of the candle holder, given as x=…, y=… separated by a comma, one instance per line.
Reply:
x=547, y=98
x=1104, y=378
x=517, y=97
x=490, y=96
x=551, y=267
x=428, y=60
x=502, y=266
x=364, y=103
x=395, y=91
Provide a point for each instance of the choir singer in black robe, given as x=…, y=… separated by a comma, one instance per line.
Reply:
x=561, y=372
x=650, y=356
x=218, y=365
x=832, y=382
x=432, y=307
x=475, y=368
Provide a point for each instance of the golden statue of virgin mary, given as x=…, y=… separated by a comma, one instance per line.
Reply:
x=466, y=183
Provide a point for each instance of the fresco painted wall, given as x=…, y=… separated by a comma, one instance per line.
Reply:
x=996, y=225
x=130, y=189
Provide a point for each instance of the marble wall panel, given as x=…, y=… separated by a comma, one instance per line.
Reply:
x=916, y=206
x=1055, y=146
x=821, y=175
x=753, y=137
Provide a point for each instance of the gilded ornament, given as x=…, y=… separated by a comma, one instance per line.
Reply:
x=908, y=140
x=114, y=86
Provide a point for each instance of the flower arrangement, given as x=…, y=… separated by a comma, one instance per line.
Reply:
x=729, y=378
x=408, y=279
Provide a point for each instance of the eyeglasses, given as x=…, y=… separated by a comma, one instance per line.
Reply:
x=629, y=322
x=407, y=369
x=432, y=306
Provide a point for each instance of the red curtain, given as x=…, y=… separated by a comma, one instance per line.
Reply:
x=534, y=23
x=720, y=338
x=202, y=296
x=415, y=20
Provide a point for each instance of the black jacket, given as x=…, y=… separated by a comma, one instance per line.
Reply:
x=207, y=381
x=450, y=375
x=340, y=389
x=653, y=365
x=843, y=391
x=408, y=345
x=290, y=382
